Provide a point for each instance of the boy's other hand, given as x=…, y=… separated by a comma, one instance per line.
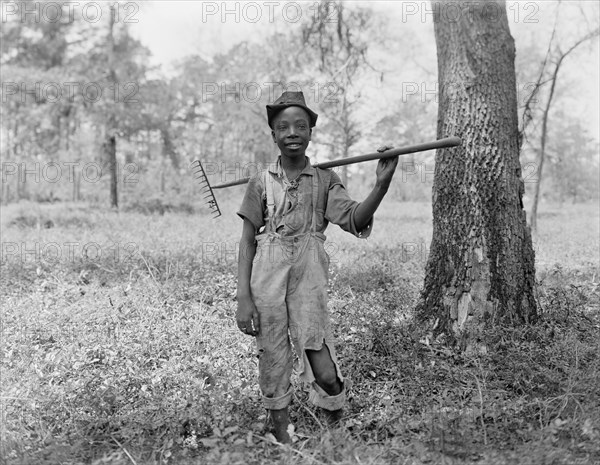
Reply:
x=386, y=168
x=246, y=317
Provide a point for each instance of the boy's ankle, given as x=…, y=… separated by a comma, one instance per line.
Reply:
x=281, y=421
x=333, y=418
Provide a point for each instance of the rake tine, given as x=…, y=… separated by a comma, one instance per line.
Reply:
x=200, y=175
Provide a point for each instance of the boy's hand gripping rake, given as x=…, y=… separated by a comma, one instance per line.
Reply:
x=206, y=190
x=436, y=144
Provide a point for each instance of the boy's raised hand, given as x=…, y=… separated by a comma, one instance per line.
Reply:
x=385, y=168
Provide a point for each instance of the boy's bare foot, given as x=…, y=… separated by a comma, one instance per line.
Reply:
x=333, y=417
x=281, y=422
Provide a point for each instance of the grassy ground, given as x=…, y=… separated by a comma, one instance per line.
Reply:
x=119, y=347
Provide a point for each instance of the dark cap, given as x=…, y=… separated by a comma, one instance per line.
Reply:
x=290, y=99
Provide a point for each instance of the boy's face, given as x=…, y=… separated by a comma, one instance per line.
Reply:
x=291, y=131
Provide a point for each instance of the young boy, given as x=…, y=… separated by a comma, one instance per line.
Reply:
x=283, y=266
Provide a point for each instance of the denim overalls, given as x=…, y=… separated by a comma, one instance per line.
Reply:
x=289, y=289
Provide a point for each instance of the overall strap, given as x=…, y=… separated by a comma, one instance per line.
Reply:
x=315, y=199
x=268, y=181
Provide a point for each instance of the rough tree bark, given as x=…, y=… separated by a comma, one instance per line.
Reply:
x=481, y=264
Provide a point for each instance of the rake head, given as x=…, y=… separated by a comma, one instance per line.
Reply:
x=206, y=190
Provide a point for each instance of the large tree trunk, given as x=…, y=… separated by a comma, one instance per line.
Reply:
x=481, y=263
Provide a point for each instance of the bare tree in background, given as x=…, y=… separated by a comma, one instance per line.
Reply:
x=338, y=37
x=481, y=264
x=557, y=57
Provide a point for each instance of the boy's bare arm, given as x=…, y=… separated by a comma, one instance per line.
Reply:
x=385, y=171
x=246, y=315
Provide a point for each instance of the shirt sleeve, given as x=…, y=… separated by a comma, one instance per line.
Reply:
x=341, y=209
x=252, y=205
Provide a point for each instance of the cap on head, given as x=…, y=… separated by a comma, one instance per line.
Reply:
x=290, y=99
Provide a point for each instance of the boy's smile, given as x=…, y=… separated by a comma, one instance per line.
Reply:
x=291, y=132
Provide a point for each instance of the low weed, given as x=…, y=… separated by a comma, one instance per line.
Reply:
x=137, y=359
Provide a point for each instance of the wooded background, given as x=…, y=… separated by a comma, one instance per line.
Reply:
x=118, y=338
x=82, y=93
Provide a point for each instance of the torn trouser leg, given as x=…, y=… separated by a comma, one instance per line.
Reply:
x=321, y=399
x=318, y=396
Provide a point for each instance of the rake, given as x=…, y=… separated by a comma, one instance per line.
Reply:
x=205, y=189
x=212, y=201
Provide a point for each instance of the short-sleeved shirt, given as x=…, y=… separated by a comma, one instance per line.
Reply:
x=293, y=202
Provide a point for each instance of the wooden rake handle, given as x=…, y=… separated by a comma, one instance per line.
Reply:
x=436, y=144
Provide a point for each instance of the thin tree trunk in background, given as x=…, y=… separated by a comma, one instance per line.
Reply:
x=13, y=146
x=20, y=154
x=169, y=147
x=481, y=263
x=110, y=151
x=544, y=136
x=10, y=157
x=110, y=141
x=345, y=167
x=75, y=176
x=344, y=122
x=542, y=157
